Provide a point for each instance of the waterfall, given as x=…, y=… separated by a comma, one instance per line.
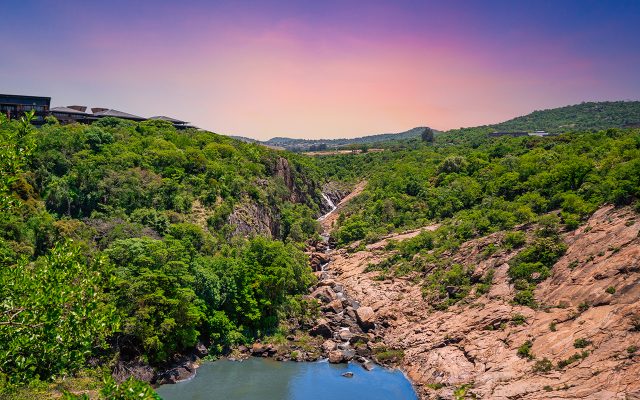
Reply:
x=331, y=204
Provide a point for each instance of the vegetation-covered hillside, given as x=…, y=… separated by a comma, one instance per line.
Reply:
x=590, y=116
x=123, y=242
x=474, y=189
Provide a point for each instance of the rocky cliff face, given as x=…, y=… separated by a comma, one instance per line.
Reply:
x=582, y=342
x=253, y=219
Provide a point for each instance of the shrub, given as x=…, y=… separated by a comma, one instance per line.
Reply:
x=544, y=365
x=635, y=323
x=525, y=298
x=514, y=240
x=610, y=290
x=518, y=319
x=572, y=359
x=524, y=351
x=584, y=306
x=552, y=326
x=581, y=343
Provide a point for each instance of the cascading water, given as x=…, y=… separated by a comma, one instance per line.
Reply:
x=331, y=204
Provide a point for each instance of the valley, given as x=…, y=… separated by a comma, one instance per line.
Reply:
x=481, y=266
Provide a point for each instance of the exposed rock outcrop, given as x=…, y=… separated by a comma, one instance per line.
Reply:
x=584, y=336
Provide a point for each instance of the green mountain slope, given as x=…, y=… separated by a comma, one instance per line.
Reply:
x=132, y=242
x=578, y=117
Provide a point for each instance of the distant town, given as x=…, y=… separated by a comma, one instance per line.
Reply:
x=14, y=106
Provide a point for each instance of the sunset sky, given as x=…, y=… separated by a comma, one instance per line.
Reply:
x=322, y=68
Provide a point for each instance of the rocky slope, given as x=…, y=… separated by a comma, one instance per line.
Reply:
x=584, y=337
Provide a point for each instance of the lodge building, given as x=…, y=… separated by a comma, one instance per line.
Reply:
x=14, y=106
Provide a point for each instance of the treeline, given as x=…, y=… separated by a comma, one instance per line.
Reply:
x=115, y=245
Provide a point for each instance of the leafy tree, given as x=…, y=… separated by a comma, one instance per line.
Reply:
x=427, y=135
x=53, y=313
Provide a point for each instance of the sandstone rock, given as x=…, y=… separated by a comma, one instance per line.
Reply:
x=336, y=357
x=328, y=346
x=345, y=335
x=366, y=318
x=258, y=348
x=368, y=365
x=334, y=306
x=177, y=374
x=324, y=293
x=476, y=341
x=322, y=328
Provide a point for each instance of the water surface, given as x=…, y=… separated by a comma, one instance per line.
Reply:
x=258, y=378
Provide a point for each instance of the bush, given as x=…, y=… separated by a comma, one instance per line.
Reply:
x=514, y=240
x=584, y=306
x=518, y=319
x=544, y=365
x=581, y=343
x=524, y=351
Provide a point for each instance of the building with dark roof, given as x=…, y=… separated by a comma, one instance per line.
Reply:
x=176, y=122
x=14, y=106
x=67, y=115
x=106, y=112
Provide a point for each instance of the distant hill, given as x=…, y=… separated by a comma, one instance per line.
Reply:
x=323, y=144
x=589, y=116
x=583, y=116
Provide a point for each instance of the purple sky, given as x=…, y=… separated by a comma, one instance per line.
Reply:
x=322, y=69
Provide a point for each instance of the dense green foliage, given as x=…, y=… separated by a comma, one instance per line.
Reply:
x=591, y=116
x=116, y=243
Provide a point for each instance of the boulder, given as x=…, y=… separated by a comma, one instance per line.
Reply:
x=257, y=349
x=337, y=357
x=201, y=350
x=334, y=306
x=366, y=318
x=348, y=310
x=362, y=350
x=324, y=293
x=328, y=346
x=348, y=374
x=322, y=328
x=348, y=354
x=323, y=258
x=360, y=338
x=345, y=335
x=177, y=374
x=368, y=365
